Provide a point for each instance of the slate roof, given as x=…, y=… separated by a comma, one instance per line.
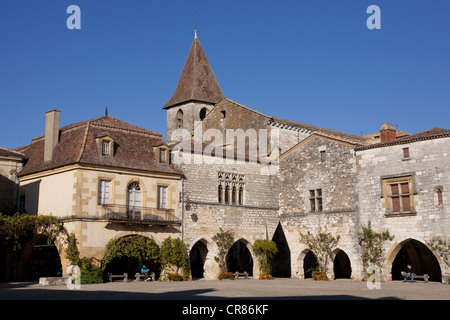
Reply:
x=197, y=81
x=133, y=147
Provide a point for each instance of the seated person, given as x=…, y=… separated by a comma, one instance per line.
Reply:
x=144, y=271
x=410, y=272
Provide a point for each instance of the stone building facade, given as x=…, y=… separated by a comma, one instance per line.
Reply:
x=317, y=191
x=10, y=164
x=403, y=187
x=104, y=179
x=272, y=180
x=326, y=181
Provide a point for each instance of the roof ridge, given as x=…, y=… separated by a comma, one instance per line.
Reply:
x=420, y=136
x=84, y=141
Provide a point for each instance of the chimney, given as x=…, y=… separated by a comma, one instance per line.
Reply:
x=387, y=132
x=51, y=133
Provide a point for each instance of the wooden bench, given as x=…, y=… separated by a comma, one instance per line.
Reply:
x=241, y=274
x=114, y=276
x=425, y=277
x=140, y=276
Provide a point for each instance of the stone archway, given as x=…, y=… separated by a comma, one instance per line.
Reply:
x=309, y=264
x=240, y=258
x=129, y=253
x=197, y=258
x=39, y=258
x=416, y=253
x=341, y=265
x=281, y=262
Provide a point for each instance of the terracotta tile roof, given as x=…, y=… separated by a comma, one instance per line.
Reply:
x=353, y=138
x=133, y=147
x=197, y=81
x=375, y=137
x=10, y=153
x=434, y=133
x=349, y=141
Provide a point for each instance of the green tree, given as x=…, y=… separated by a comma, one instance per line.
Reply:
x=264, y=251
x=173, y=253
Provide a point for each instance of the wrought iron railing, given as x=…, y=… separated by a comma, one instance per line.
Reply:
x=126, y=213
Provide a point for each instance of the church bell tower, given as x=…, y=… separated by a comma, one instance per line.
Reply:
x=196, y=93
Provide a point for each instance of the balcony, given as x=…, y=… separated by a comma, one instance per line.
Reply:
x=140, y=215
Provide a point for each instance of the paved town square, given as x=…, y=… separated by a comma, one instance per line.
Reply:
x=277, y=289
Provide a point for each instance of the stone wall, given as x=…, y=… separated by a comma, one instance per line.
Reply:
x=256, y=218
x=428, y=168
x=305, y=168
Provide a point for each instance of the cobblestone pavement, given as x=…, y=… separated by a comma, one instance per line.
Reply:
x=280, y=289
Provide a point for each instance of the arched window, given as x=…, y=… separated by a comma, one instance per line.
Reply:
x=241, y=196
x=227, y=194
x=179, y=120
x=233, y=195
x=134, y=200
x=220, y=197
x=203, y=113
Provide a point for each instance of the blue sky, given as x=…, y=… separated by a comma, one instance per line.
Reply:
x=314, y=62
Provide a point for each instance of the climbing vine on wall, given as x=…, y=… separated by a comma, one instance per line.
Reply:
x=224, y=241
x=139, y=247
x=18, y=228
x=322, y=246
x=371, y=243
x=442, y=248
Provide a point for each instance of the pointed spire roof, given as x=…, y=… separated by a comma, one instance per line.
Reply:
x=197, y=81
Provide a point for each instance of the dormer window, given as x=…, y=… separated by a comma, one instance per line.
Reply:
x=105, y=145
x=162, y=154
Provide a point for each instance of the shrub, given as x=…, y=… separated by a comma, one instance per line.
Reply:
x=226, y=276
x=173, y=257
x=265, y=276
x=89, y=272
x=319, y=275
x=174, y=277
x=264, y=251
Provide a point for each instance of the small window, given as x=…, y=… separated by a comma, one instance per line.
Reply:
x=106, y=147
x=162, y=155
x=203, y=113
x=315, y=199
x=103, y=191
x=223, y=114
x=322, y=155
x=179, y=120
x=162, y=197
x=405, y=153
x=440, y=199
